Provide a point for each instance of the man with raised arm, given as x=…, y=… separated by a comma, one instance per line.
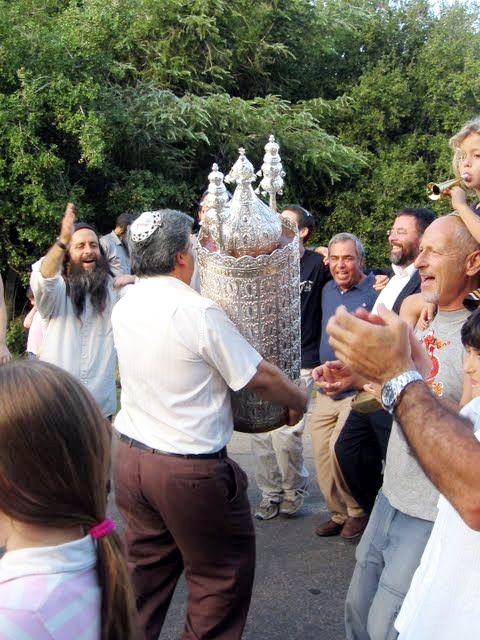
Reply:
x=74, y=293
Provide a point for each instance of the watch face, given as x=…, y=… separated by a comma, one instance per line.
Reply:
x=388, y=396
x=393, y=389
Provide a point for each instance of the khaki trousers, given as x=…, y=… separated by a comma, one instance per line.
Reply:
x=279, y=467
x=326, y=421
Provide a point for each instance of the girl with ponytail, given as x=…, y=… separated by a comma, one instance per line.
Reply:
x=63, y=575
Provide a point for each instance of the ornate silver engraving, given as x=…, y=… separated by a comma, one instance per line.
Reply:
x=272, y=172
x=251, y=228
x=252, y=270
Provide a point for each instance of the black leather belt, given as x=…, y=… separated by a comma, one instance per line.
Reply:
x=131, y=442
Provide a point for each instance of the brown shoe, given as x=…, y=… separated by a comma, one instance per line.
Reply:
x=329, y=528
x=354, y=527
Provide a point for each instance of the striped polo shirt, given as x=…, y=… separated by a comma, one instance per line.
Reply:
x=50, y=593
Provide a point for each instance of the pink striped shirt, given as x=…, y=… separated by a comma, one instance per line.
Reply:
x=50, y=593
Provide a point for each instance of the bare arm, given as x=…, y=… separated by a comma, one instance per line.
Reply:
x=432, y=431
x=381, y=281
x=4, y=352
x=121, y=281
x=445, y=446
x=411, y=309
x=27, y=323
x=52, y=262
x=323, y=251
x=460, y=205
x=270, y=383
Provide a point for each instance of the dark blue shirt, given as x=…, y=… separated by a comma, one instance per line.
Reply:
x=360, y=295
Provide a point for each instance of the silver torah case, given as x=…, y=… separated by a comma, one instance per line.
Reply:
x=250, y=265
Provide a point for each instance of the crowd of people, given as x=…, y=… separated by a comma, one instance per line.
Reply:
x=395, y=364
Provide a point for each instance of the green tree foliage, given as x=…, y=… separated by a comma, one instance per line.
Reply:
x=126, y=105
x=412, y=96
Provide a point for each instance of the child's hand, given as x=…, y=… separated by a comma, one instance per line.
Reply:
x=427, y=314
x=458, y=197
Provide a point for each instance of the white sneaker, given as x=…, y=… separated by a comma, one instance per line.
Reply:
x=267, y=509
x=290, y=506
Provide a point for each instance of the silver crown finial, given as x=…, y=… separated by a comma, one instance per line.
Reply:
x=272, y=172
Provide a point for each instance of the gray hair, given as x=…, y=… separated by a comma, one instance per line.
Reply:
x=344, y=237
x=155, y=255
x=463, y=239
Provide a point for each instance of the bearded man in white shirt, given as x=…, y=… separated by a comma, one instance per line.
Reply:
x=74, y=293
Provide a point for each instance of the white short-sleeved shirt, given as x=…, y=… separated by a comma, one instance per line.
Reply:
x=442, y=601
x=179, y=355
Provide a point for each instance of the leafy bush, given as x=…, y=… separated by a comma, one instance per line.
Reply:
x=16, y=338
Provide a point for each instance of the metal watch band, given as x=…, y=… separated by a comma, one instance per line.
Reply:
x=393, y=389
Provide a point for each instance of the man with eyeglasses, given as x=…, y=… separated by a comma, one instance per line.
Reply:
x=406, y=506
x=362, y=444
x=404, y=241
x=352, y=288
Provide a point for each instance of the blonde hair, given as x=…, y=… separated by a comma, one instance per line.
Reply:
x=54, y=469
x=472, y=126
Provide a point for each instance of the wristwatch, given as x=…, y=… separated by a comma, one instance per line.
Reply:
x=62, y=245
x=393, y=389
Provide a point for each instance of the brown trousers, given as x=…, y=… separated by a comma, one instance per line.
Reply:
x=192, y=516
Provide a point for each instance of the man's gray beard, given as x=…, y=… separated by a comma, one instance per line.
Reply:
x=402, y=259
x=94, y=282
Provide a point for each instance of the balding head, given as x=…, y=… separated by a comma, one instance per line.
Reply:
x=448, y=263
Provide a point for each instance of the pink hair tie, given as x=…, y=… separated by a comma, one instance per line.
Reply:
x=102, y=528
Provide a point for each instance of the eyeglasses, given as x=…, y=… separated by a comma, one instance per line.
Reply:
x=398, y=232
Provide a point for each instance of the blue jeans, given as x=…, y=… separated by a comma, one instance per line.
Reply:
x=387, y=556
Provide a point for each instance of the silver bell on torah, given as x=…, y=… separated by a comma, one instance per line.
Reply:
x=250, y=265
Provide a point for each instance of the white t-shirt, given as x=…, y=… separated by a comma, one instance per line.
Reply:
x=405, y=484
x=442, y=601
x=179, y=356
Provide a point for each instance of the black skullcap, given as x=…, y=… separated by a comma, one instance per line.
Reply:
x=83, y=225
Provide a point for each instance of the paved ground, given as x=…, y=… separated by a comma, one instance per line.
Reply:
x=301, y=579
